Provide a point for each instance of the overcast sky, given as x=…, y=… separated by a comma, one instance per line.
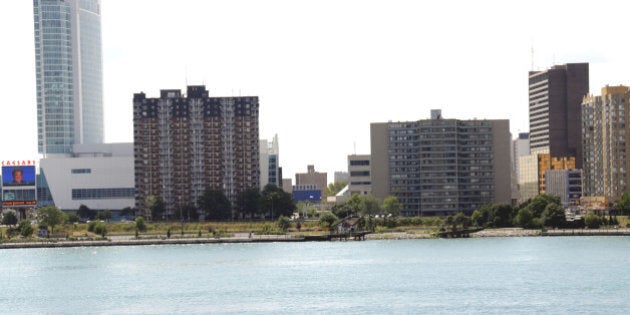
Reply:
x=324, y=70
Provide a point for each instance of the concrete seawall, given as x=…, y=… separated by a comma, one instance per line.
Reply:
x=587, y=232
x=158, y=241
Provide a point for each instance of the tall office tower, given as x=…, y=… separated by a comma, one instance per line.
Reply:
x=270, y=171
x=441, y=166
x=69, y=74
x=555, y=98
x=605, y=126
x=184, y=144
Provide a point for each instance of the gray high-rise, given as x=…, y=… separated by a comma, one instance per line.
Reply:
x=69, y=74
x=441, y=166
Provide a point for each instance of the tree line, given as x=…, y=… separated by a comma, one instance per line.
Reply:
x=214, y=205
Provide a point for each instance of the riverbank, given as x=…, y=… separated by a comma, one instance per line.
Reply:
x=130, y=240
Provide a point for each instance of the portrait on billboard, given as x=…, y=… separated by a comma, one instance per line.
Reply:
x=18, y=175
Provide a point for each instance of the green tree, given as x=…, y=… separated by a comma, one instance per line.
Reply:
x=450, y=221
x=553, y=215
x=502, y=215
x=100, y=228
x=248, y=202
x=85, y=213
x=484, y=216
x=26, y=230
x=540, y=202
x=328, y=219
x=592, y=221
x=276, y=201
x=140, y=225
x=392, y=206
x=623, y=205
x=336, y=187
x=156, y=207
x=524, y=218
x=106, y=215
x=354, y=205
x=51, y=216
x=461, y=219
x=187, y=212
x=341, y=210
x=370, y=205
x=128, y=212
x=9, y=218
x=215, y=205
x=73, y=218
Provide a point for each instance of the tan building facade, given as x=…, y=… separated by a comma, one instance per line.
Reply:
x=320, y=180
x=441, y=166
x=605, y=131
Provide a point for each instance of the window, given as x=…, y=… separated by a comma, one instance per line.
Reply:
x=102, y=193
x=81, y=171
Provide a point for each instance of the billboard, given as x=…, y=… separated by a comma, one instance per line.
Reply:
x=19, y=197
x=15, y=176
x=314, y=195
x=18, y=184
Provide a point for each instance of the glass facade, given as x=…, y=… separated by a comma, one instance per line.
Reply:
x=69, y=76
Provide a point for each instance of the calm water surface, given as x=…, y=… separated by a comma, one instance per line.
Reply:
x=490, y=275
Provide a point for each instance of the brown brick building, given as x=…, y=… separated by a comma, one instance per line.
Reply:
x=184, y=144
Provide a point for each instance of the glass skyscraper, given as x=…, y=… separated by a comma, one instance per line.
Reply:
x=69, y=74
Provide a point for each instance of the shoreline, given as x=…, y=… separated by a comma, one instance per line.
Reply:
x=243, y=238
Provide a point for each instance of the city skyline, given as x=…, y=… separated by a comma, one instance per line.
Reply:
x=324, y=70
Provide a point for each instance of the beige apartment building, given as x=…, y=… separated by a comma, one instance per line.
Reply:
x=605, y=126
x=441, y=166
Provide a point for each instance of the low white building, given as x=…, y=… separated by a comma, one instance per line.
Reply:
x=98, y=176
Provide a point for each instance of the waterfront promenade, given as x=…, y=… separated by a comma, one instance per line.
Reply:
x=130, y=240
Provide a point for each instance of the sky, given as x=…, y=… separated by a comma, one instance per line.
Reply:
x=324, y=70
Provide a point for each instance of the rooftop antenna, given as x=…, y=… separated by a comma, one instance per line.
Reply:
x=186, y=75
x=355, y=147
x=532, y=56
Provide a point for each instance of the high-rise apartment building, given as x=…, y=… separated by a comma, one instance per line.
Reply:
x=605, y=126
x=69, y=74
x=184, y=144
x=555, y=98
x=441, y=166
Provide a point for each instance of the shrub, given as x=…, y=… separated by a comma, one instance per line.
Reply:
x=140, y=225
x=73, y=218
x=404, y=221
x=283, y=223
x=416, y=221
x=25, y=228
x=328, y=219
x=592, y=221
x=91, y=225
x=100, y=228
x=390, y=222
x=266, y=229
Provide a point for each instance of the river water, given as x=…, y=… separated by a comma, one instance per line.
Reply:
x=515, y=275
